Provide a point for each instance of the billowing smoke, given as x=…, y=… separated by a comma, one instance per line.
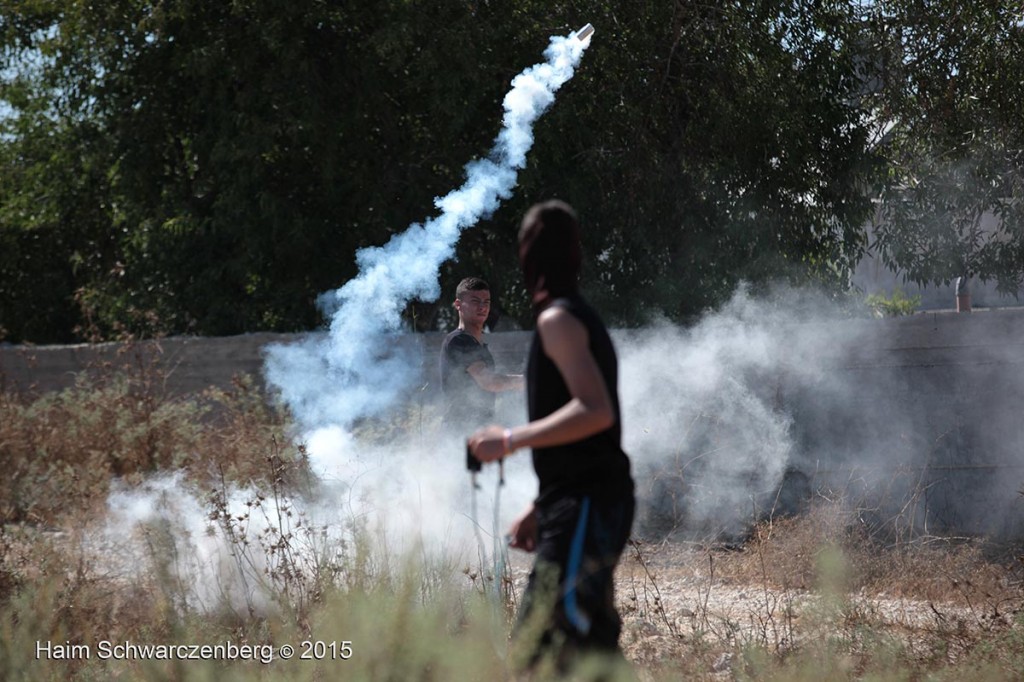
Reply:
x=759, y=407
x=249, y=549
x=703, y=410
x=775, y=401
x=354, y=370
x=405, y=494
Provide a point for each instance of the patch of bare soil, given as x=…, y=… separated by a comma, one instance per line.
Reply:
x=681, y=602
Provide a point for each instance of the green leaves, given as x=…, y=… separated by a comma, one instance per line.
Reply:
x=952, y=93
x=212, y=167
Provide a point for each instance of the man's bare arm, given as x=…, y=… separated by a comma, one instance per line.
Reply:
x=489, y=380
x=566, y=342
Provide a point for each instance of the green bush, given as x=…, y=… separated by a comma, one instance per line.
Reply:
x=897, y=305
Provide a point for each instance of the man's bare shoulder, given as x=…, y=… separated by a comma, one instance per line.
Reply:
x=557, y=326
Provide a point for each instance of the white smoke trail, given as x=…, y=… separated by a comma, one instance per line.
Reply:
x=348, y=374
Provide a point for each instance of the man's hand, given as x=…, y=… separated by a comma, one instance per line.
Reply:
x=488, y=444
x=524, y=531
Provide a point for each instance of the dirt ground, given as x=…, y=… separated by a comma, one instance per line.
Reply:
x=681, y=600
x=676, y=602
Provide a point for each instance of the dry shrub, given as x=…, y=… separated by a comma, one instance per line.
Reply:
x=10, y=580
x=786, y=553
x=62, y=450
x=63, y=597
x=244, y=439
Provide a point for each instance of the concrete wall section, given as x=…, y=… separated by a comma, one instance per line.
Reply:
x=193, y=364
x=190, y=364
x=923, y=413
x=928, y=410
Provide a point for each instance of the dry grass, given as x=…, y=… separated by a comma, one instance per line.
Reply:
x=61, y=451
x=820, y=596
x=817, y=596
x=787, y=553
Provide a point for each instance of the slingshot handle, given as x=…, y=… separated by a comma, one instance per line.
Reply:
x=472, y=463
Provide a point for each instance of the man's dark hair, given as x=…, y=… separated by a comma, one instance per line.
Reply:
x=471, y=284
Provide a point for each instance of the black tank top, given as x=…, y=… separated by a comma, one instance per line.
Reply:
x=595, y=466
x=467, y=407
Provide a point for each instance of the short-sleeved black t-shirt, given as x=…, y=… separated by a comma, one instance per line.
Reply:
x=595, y=466
x=467, y=407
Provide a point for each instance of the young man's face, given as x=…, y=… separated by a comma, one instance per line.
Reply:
x=474, y=307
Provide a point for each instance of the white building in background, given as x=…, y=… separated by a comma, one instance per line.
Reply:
x=873, y=277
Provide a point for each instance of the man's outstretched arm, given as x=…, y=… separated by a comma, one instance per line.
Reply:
x=489, y=380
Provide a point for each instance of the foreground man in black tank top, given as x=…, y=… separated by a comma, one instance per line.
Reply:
x=581, y=518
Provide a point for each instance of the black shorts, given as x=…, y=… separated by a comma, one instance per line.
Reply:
x=570, y=598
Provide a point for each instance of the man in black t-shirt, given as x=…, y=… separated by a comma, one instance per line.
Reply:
x=581, y=519
x=468, y=379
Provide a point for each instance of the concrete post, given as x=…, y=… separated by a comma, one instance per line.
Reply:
x=963, y=295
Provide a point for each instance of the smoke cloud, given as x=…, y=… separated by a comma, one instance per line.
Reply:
x=759, y=407
x=774, y=401
x=705, y=420
x=406, y=494
x=373, y=507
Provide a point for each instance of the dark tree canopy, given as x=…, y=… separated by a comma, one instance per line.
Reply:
x=211, y=167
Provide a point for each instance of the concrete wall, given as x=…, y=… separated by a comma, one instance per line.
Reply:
x=931, y=409
x=928, y=409
x=192, y=364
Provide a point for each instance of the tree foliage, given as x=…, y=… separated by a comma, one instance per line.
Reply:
x=211, y=167
x=731, y=151
x=950, y=95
